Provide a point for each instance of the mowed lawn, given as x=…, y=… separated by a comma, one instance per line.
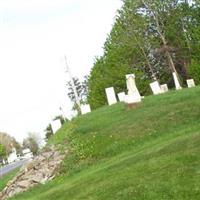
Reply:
x=115, y=153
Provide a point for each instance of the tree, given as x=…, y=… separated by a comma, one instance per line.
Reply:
x=81, y=88
x=48, y=132
x=9, y=143
x=157, y=21
x=32, y=142
x=84, y=93
x=61, y=118
x=124, y=53
x=151, y=39
x=2, y=151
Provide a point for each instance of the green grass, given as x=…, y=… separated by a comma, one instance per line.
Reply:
x=150, y=152
x=4, y=179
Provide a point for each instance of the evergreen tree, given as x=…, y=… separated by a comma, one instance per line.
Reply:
x=2, y=151
x=32, y=142
x=48, y=132
x=82, y=91
x=151, y=39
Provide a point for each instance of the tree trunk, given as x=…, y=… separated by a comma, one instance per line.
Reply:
x=162, y=37
x=146, y=58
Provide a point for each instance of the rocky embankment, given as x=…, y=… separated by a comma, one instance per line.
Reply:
x=41, y=169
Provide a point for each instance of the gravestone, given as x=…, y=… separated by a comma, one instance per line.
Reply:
x=164, y=88
x=190, y=83
x=110, y=94
x=131, y=99
x=121, y=96
x=177, y=84
x=56, y=125
x=133, y=93
x=85, y=109
x=155, y=87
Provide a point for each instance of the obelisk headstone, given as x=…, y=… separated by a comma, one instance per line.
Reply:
x=177, y=84
x=133, y=93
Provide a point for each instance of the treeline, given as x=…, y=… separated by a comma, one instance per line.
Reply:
x=7, y=143
x=151, y=39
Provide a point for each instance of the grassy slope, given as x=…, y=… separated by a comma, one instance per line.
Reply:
x=151, y=152
x=4, y=179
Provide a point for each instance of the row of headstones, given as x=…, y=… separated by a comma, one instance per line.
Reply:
x=56, y=124
x=159, y=89
x=133, y=95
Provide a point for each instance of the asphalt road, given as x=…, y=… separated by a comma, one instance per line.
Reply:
x=10, y=167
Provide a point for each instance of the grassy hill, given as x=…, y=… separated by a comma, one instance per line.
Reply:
x=115, y=153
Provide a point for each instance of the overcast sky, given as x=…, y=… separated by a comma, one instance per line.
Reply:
x=34, y=36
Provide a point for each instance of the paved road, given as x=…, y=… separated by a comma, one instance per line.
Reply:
x=8, y=168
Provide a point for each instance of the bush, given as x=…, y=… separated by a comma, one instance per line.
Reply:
x=194, y=71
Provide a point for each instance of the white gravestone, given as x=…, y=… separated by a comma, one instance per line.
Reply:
x=110, y=93
x=133, y=93
x=121, y=96
x=155, y=87
x=190, y=83
x=164, y=88
x=85, y=109
x=56, y=125
x=177, y=84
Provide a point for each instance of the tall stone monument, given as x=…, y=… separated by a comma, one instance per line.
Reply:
x=110, y=94
x=133, y=93
x=177, y=84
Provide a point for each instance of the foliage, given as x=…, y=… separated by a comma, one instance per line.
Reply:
x=2, y=151
x=48, y=132
x=151, y=39
x=31, y=142
x=82, y=92
x=77, y=86
x=9, y=143
x=194, y=71
x=61, y=118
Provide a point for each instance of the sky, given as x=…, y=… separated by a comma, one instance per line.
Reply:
x=34, y=37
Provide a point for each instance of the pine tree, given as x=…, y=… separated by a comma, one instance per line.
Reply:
x=82, y=91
